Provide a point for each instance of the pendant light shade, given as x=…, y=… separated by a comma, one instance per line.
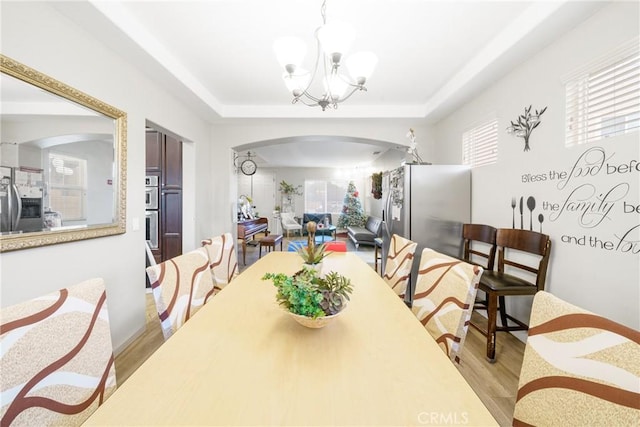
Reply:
x=289, y=51
x=361, y=65
x=336, y=37
x=298, y=82
x=335, y=87
x=334, y=40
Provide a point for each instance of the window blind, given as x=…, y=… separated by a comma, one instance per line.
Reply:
x=603, y=99
x=480, y=144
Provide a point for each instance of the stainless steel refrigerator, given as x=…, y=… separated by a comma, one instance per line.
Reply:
x=427, y=204
x=21, y=205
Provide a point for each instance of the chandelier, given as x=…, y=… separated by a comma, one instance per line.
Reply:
x=333, y=41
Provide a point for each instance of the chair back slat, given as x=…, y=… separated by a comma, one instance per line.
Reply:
x=532, y=242
x=522, y=240
x=482, y=233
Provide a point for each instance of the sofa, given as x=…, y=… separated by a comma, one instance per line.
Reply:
x=317, y=218
x=365, y=235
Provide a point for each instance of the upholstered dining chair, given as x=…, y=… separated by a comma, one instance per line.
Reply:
x=223, y=261
x=399, y=263
x=445, y=290
x=521, y=253
x=289, y=223
x=578, y=369
x=56, y=357
x=181, y=286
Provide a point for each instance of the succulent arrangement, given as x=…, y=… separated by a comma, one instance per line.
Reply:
x=307, y=294
x=312, y=253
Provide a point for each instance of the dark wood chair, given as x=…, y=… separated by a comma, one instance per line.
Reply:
x=501, y=282
x=479, y=241
x=480, y=249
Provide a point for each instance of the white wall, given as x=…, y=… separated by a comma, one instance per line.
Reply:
x=600, y=279
x=38, y=36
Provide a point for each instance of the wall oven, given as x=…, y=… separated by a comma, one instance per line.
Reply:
x=151, y=213
x=151, y=192
x=151, y=198
x=151, y=218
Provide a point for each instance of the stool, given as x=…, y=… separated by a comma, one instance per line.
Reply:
x=269, y=242
x=378, y=253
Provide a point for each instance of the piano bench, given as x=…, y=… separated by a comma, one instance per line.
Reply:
x=270, y=242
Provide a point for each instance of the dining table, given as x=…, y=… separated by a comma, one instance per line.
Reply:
x=243, y=360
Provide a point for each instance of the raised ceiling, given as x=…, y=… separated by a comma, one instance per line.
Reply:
x=217, y=55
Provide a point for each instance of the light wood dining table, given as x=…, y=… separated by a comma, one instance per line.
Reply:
x=242, y=360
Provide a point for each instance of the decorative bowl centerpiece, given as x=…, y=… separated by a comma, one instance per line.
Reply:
x=312, y=300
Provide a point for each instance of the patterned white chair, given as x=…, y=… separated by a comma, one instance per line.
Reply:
x=56, y=357
x=223, y=261
x=445, y=291
x=289, y=223
x=181, y=286
x=578, y=369
x=399, y=262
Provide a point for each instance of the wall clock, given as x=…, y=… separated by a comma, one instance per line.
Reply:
x=248, y=167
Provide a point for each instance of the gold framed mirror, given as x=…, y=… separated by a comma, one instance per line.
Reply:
x=63, y=161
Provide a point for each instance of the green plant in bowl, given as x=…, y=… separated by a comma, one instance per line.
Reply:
x=308, y=294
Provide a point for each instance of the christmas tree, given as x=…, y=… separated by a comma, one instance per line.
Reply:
x=352, y=212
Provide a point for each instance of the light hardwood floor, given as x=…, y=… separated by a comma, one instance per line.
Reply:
x=495, y=383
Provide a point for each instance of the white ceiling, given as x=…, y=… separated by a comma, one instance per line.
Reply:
x=217, y=55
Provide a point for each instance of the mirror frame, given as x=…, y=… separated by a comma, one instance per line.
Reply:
x=118, y=226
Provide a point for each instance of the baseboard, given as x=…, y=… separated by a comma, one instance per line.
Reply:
x=122, y=347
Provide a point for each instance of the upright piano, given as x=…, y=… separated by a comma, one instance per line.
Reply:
x=247, y=229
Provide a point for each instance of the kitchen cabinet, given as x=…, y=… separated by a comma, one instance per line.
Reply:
x=164, y=159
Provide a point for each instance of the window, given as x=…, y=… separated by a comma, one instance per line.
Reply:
x=324, y=196
x=480, y=144
x=603, y=99
x=68, y=186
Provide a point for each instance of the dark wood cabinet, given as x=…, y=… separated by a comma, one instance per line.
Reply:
x=164, y=159
x=172, y=164
x=171, y=229
x=153, y=153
